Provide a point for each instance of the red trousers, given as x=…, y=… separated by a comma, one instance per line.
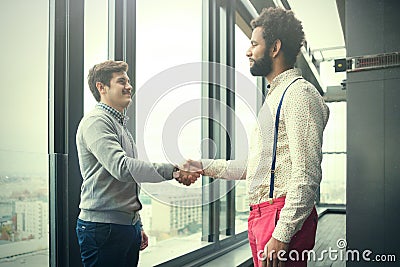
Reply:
x=261, y=223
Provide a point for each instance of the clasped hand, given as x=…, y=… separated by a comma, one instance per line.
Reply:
x=189, y=172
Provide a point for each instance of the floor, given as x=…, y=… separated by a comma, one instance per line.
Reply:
x=331, y=232
x=330, y=242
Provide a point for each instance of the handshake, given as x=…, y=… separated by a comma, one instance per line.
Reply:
x=189, y=172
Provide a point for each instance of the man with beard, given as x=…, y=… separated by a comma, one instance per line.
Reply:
x=282, y=189
x=109, y=228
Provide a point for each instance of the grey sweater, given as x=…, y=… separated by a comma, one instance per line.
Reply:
x=111, y=171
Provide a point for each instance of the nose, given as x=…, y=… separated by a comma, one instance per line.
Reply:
x=129, y=86
x=248, y=52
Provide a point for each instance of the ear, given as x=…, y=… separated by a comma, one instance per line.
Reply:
x=100, y=87
x=276, y=47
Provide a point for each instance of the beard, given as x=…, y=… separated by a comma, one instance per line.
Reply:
x=262, y=66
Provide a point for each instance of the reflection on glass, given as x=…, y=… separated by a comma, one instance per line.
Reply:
x=246, y=106
x=24, y=228
x=166, y=37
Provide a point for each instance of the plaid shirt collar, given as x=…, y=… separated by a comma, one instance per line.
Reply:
x=115, y=113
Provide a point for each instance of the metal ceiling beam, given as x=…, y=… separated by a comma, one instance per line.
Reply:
x=260, y=4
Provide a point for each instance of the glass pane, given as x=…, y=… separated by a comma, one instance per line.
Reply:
x=24, y=228
x=333, y=184
x=168, y=112
x=95, y=42
x=335, y=131
x=246, y=106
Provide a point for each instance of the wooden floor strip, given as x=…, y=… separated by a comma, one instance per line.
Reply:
x=331, y=229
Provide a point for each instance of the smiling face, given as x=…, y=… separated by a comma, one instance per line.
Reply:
x=260, y=61
x=118, y=94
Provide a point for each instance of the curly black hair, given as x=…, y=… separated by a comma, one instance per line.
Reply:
x=278, y=23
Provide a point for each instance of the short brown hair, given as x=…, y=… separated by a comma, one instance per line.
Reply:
x=103, y=72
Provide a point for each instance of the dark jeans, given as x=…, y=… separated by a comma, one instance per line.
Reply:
x=107, y=244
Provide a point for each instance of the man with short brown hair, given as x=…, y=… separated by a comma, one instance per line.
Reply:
x=109, y=228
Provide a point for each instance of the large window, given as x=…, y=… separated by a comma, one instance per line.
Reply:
x=168, y=125
x=167, y=40
x=24, y=227
x=333, y=184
